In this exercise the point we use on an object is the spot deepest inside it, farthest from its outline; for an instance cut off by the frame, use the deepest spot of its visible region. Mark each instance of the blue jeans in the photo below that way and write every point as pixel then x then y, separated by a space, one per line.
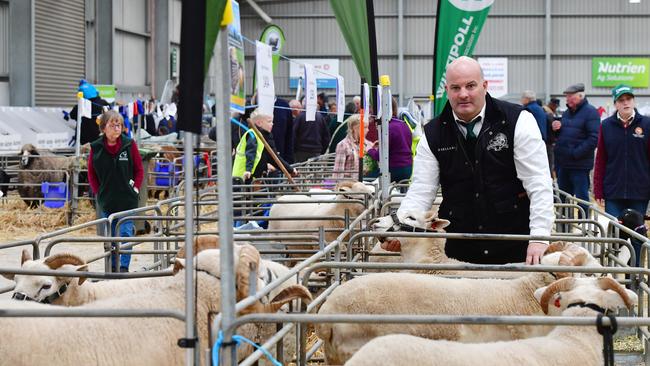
pixel 615 207
pixel 576 183
pixel 127 229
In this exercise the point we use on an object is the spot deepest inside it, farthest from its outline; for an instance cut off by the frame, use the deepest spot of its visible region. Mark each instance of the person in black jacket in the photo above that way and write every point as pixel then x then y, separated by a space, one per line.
pixel 485 155
pixel 622 167
pixel 89 127
pixel 310 138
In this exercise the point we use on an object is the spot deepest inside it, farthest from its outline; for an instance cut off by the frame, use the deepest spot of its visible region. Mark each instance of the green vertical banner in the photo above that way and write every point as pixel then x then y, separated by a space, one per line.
pixel 214 13
pixel 458 26
pixel 356 20
pixel 274 37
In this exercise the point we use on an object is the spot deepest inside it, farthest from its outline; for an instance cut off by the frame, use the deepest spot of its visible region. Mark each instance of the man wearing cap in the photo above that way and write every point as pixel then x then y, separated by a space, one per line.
pixel 622 169
pixel 577 136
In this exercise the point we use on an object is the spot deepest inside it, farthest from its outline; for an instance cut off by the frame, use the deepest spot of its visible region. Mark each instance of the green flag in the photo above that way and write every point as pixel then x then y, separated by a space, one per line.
pixel 458 25
pixel 213 15
pixel 356 20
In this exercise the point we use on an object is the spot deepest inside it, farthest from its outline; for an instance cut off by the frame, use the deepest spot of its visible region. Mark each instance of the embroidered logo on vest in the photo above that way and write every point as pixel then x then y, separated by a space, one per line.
pixel 498 142
pixel 123 156
pixel 448 148
pixel 638 132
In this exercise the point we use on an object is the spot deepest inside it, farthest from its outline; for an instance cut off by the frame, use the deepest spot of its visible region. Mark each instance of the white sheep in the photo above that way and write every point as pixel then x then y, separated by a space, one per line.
pixel 72 291
pixel 422 294
pixel 75 291
pixel 317 210
pixel 131 341
pixel 425 250
pixel 563 346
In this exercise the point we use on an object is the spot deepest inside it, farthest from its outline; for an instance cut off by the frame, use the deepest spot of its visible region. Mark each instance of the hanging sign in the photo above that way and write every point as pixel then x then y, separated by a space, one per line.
pixel 310 93
pixel 264 74
pixel 340 99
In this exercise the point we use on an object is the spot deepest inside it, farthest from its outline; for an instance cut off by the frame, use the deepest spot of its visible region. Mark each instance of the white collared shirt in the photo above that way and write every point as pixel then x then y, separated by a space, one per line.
pixel 477 126
pixel 531 164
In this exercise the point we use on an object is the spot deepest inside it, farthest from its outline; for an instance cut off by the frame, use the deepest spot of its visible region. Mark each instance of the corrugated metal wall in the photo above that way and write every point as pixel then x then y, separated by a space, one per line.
pixel 132 42
pixel 59 57
pixel 581 29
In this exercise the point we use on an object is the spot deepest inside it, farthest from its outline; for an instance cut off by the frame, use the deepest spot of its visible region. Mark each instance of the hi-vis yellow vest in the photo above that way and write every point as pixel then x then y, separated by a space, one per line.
pixel 239 166
pixel 414 139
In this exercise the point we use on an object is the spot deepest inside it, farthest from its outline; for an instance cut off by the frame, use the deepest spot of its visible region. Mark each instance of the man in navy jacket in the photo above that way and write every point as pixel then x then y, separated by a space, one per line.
pixel 577 136
pixel 622 169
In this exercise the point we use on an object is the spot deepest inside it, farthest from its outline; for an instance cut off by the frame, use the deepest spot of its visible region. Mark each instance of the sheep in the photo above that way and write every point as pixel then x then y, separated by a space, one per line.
pixel 268 270
pixel 135 341
pixel 432 250
pixel 30 180
pixel 317 210
pixel 564 345
pixel 411 293
pixel 72 291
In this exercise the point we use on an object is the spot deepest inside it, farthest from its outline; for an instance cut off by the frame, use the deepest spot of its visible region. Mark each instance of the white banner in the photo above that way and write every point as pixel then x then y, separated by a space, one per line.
pixel 264 75
pixel 340 99
pixel 310 93
pixel 379 109
pixel 366 103
pixel 11 143
pixel 56 140
pixel 495 71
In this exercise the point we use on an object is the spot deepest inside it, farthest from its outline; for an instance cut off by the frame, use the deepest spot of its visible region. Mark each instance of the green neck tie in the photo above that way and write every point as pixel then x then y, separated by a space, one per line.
pixel 470 128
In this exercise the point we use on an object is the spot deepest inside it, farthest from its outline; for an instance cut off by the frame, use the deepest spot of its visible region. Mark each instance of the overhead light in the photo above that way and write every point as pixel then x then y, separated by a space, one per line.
pixel 635 1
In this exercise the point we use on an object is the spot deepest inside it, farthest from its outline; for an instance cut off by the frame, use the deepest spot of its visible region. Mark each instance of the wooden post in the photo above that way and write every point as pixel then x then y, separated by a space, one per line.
pixel 271 152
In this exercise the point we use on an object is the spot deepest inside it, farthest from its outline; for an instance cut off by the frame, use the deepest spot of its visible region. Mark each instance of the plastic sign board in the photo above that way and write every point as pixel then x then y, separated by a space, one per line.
pixel 326 70
pixel 495 71
pixel 107 92
pixel 611 71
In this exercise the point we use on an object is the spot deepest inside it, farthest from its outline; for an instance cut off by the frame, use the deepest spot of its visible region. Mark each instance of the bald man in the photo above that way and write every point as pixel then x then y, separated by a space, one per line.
pixel 489 158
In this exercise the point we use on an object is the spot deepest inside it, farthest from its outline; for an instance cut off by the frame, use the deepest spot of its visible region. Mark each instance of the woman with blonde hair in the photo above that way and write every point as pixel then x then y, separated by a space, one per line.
pixel 346 162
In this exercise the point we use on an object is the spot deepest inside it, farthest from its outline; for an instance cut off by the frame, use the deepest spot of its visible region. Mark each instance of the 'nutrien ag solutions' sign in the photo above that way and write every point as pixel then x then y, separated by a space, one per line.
pixel 611 71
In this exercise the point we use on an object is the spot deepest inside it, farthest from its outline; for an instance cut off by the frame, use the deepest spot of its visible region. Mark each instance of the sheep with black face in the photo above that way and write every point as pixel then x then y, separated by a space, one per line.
pixel 36 168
